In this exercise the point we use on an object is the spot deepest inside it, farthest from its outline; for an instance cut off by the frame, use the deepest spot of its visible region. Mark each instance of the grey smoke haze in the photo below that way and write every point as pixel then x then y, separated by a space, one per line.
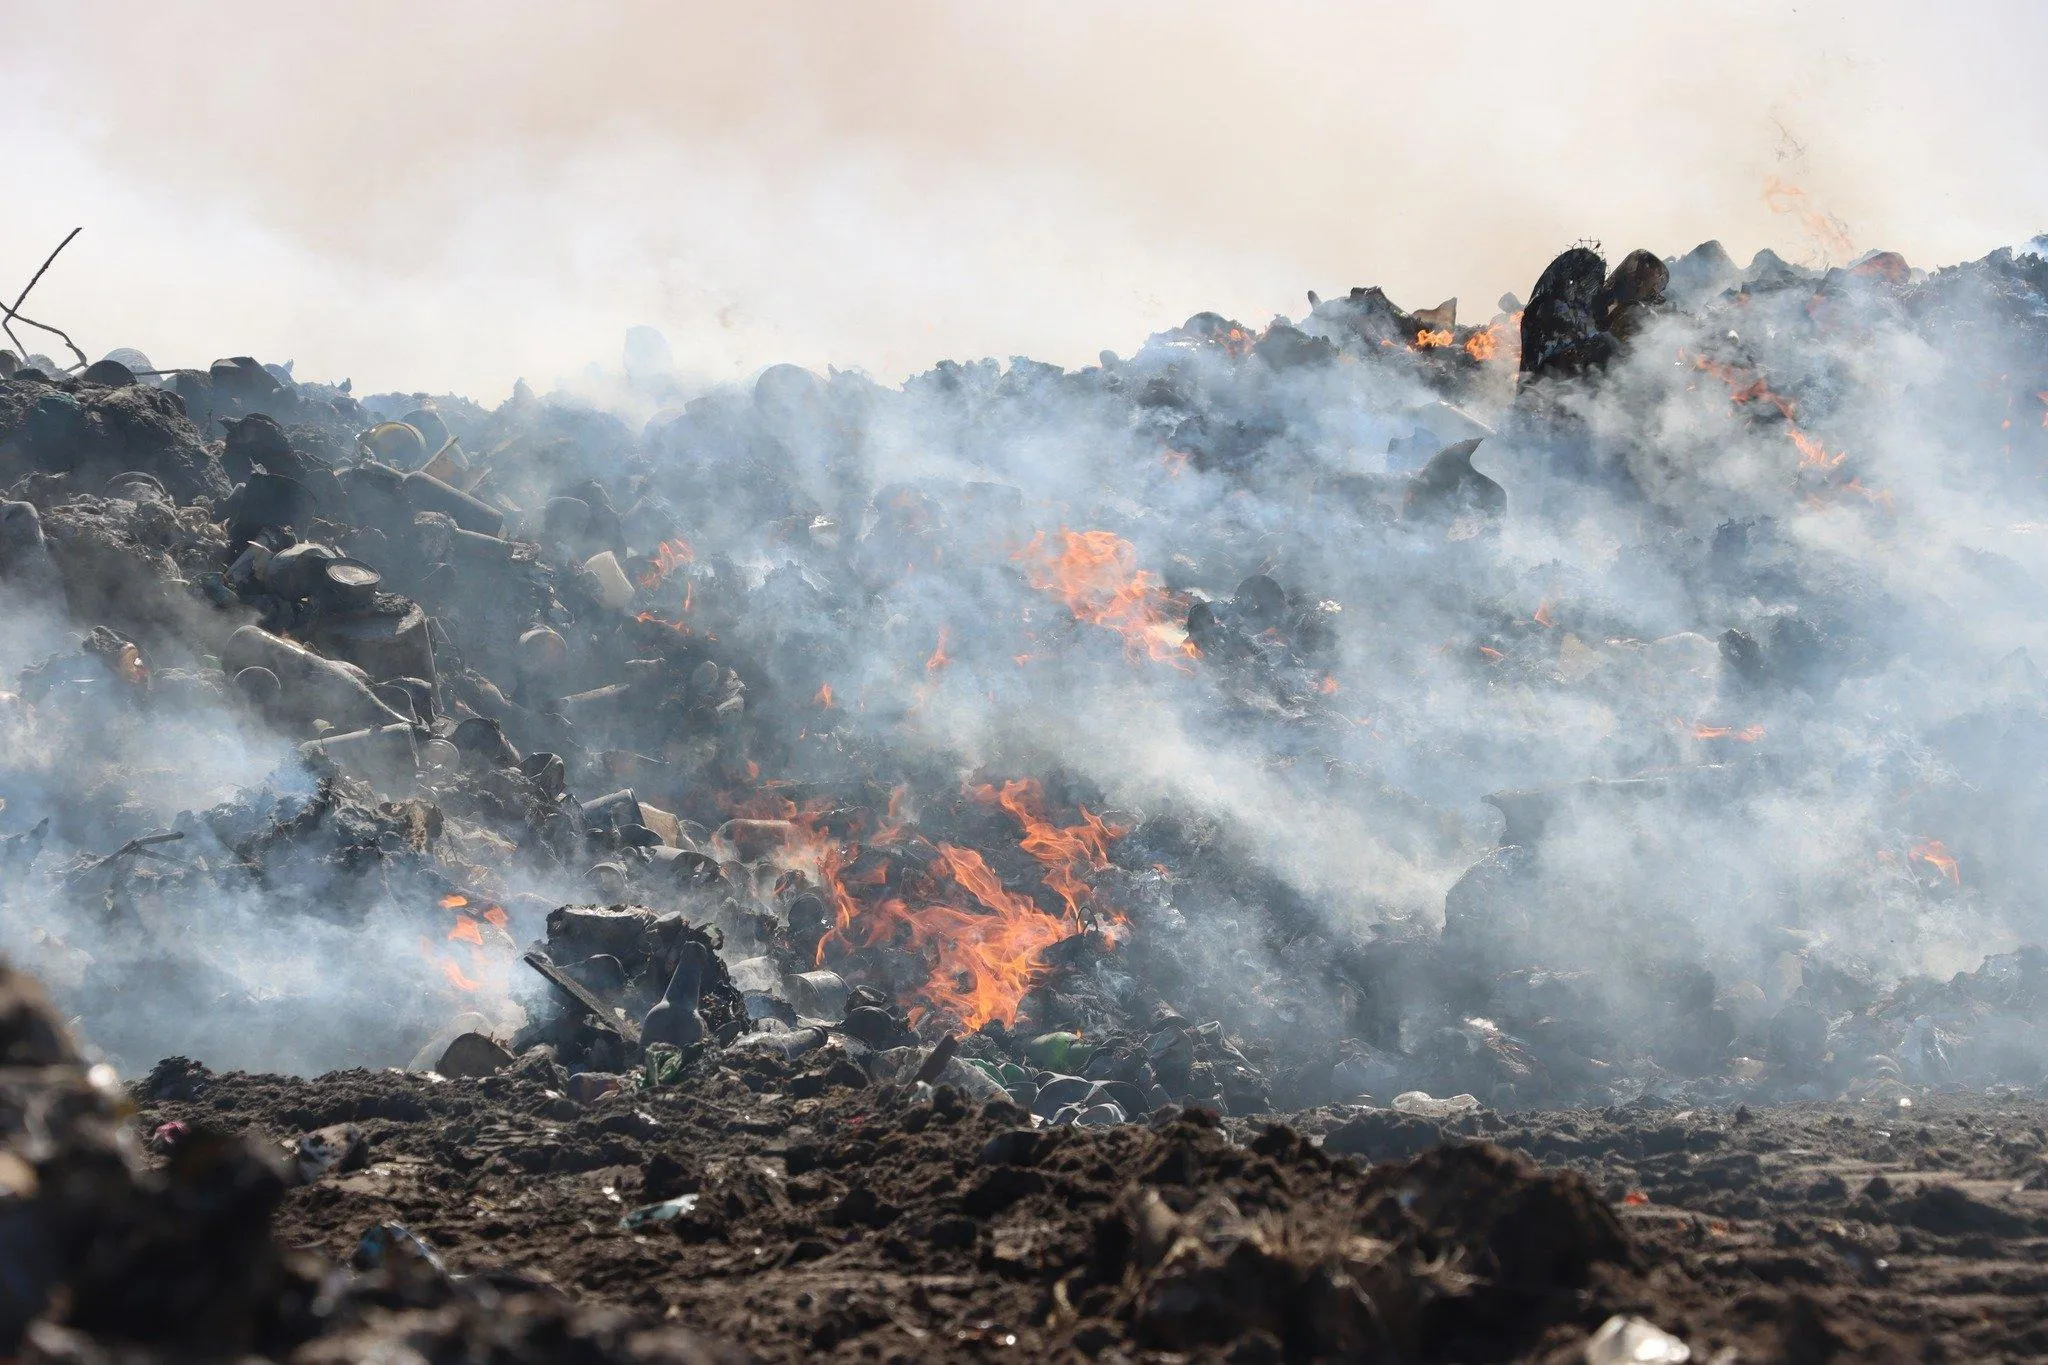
pixel 450 199
pixel 447 197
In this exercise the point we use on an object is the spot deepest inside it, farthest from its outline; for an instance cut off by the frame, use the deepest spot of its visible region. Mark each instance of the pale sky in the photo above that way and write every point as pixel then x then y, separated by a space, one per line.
pixel 456 195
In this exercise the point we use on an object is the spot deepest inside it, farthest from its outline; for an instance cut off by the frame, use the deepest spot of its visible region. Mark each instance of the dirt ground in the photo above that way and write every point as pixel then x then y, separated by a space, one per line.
pixel 837 1218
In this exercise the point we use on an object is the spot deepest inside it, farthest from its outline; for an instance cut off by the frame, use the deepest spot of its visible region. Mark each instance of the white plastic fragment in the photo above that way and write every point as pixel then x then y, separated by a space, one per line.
pixel 1625 1340
pixel 1422 1104
pixel 614 589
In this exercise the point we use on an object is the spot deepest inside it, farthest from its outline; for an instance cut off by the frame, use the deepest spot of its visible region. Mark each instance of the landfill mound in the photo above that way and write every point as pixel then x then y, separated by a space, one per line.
pixel 813 821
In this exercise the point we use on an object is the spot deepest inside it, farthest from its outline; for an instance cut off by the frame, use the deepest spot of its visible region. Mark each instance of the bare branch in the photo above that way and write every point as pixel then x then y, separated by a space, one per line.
pixel 23 317
pixel 20 298
pixel 14 313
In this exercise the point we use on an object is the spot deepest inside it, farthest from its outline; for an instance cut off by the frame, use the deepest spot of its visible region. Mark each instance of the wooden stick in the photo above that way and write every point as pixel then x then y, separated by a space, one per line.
pixel 935 1060
pixel 14 313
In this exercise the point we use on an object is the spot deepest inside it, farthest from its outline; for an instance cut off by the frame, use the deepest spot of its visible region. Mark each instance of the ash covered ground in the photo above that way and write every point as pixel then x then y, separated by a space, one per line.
pixel 1368 836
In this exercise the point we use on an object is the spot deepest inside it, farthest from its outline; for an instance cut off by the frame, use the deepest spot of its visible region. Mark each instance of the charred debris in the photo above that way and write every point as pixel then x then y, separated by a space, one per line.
pixel 638 751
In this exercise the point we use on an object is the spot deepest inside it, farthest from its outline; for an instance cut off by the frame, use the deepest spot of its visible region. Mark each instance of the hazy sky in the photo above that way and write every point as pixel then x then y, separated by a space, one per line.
pixel 455 195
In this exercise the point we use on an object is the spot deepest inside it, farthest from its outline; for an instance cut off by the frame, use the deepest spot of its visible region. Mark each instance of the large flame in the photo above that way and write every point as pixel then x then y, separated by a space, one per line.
pixel 1096 574
pixel 983 943
pixel 1064 852
pixel 986 962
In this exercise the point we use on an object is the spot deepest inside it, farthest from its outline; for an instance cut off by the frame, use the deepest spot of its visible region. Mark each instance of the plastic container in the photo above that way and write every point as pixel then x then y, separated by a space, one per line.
pixel 614 589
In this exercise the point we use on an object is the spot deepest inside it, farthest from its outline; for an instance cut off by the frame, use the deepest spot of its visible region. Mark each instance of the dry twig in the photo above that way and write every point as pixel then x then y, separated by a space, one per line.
pixel 138 848
pixel 14 313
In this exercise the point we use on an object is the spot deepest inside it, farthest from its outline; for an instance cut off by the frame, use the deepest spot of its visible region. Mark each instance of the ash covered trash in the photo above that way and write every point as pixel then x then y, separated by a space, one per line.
pixel 1417 719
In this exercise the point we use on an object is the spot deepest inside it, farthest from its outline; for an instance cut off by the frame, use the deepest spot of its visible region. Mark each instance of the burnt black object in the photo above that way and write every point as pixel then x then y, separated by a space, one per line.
pixel 1448 485
pixel 1578 315
pixel 270 500
pixel 1631 294
pixel 428 494
pixel 258 442
pixel 1560 322
pixel 485 738
pixel 674 1018
pixel 350 584
pixel 108 374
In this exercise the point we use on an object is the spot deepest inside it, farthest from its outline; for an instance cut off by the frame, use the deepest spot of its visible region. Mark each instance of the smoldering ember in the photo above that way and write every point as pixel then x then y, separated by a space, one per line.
pixel 1383 835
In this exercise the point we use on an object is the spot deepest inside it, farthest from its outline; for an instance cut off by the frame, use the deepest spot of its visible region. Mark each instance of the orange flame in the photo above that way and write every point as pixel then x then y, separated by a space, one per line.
pixel 1429 339
pixel 824 697
pixel 668 556
pixel 1543 616
pixel 1096 573
pixel 456 978
pixel 1748 734
pixel 983 942
pixel 1814 455
pixel 1497 339
pixel 1061 851
pixel 466 931
pixel 1936 855
pixel 1826 230
pixel 987 963
pixel 983 961
pixel 939 658
pixel 496 917
pixel 1328 686
pixel 651 619
pixel 454 902
pixel 1744 387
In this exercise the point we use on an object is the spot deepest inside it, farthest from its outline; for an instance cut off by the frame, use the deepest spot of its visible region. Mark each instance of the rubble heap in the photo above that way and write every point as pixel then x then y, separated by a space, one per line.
pixel 1376 715
pixel 528 701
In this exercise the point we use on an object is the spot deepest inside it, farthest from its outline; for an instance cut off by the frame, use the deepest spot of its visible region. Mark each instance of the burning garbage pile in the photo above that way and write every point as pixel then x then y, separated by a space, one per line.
pixel 1628 694
pixel 1625 701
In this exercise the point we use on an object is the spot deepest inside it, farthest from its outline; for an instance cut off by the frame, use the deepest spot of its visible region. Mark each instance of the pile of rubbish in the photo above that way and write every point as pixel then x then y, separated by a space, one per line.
pixel 1030 775
pixel 1201 728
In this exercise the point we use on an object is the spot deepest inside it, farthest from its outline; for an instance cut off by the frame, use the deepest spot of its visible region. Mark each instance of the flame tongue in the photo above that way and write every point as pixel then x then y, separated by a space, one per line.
pixel 1061 852
pixel 987 963
pixel 984 955
pixel 1745 734
pixel 1935 854
pixel 1096 574
pixel 669 556
pixel 984 943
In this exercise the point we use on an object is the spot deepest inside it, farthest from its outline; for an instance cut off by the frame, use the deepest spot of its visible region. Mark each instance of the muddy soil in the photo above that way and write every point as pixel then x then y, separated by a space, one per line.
pixel 832 1217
